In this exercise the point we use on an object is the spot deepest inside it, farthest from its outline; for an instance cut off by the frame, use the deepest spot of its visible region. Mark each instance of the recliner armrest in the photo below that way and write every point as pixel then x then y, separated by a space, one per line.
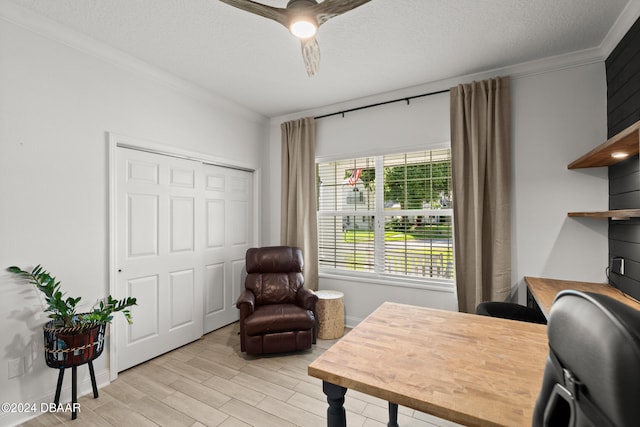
pixel 246 303
pixel 307 298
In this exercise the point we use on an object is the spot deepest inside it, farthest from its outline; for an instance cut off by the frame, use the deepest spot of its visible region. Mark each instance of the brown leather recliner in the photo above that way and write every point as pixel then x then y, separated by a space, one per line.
pixel 277 314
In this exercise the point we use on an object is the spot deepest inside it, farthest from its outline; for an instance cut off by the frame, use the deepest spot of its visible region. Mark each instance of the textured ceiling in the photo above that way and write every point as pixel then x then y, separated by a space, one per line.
pixel 381 46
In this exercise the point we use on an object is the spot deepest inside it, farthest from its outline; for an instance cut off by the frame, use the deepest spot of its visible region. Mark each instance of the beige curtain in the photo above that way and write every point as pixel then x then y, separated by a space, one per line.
pixel 298 224
pixel 480 166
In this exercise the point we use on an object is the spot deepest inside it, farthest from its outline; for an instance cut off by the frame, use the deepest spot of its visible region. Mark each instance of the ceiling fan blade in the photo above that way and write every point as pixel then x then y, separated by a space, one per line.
pixel 321 11
pixel 311 55
pixel 276 13
pixel 331 8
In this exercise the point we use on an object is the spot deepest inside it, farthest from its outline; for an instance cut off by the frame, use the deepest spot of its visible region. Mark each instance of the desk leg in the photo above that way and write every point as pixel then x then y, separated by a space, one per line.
pixel 393 415
pixel 336 417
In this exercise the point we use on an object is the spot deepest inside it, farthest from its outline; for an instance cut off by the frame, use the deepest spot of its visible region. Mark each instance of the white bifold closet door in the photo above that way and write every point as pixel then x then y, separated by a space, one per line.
pixel 228 216
pixel 182 230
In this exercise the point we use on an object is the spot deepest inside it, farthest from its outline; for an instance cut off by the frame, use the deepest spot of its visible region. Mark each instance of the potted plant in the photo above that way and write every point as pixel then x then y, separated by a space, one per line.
pixel 72 338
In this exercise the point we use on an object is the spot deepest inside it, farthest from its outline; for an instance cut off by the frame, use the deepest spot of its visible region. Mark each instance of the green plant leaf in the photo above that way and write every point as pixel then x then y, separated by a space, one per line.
pixel 64 310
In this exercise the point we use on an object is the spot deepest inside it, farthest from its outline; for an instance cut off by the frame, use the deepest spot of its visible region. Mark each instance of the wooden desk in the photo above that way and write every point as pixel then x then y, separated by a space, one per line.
pixel 544 291
pixel 473 370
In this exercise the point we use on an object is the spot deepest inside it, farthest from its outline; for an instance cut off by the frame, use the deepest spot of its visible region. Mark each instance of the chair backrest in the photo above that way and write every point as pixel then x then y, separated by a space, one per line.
pixel 274 274
pixel 592 374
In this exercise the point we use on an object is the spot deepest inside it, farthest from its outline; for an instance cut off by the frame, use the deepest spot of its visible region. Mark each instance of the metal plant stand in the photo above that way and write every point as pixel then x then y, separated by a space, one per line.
pixel 70 348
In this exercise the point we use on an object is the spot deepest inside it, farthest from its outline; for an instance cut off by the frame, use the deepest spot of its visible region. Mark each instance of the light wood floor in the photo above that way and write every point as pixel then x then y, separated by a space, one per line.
pixel 210 383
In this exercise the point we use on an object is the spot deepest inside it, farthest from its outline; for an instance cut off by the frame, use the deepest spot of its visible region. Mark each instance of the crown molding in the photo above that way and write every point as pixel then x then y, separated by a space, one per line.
pixel 52 30
pixel 515 71
pixel 59 33
pixel 625 21
pixel 548 64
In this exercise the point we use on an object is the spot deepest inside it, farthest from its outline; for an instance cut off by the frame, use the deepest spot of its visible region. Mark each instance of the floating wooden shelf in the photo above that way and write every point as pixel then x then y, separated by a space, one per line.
pixel 627 141
pixel 613 214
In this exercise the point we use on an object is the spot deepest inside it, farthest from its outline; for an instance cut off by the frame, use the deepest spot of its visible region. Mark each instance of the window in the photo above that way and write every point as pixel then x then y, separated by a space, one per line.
pixel 388 215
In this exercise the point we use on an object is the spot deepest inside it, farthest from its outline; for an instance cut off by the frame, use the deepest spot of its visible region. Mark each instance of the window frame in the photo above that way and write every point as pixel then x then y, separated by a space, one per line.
pixel 379 276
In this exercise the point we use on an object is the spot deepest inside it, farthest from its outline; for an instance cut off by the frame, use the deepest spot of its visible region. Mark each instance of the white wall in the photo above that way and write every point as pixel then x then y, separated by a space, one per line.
pixel 56 106
pixel 557 116
pixel 390 128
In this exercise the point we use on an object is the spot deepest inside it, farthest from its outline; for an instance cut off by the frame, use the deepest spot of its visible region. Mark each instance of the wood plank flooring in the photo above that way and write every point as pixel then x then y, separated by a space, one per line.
pixel 211 383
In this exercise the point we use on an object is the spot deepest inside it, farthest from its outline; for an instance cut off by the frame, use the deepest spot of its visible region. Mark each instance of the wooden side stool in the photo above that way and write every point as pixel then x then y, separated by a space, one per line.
pixel 330 311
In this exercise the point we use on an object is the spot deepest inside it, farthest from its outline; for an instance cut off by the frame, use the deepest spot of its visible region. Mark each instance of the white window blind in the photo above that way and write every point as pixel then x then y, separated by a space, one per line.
pixel 389 215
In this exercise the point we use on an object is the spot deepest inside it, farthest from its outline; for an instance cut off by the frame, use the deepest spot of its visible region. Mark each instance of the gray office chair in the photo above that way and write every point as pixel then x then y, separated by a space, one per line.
pixel 592 374
pixel 508 310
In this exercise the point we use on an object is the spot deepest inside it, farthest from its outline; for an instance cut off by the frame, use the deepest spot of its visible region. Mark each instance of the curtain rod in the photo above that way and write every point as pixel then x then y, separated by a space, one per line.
pixel 407 99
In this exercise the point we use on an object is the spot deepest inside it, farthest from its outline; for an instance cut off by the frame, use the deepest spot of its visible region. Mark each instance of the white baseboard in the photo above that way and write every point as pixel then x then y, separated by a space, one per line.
pixel 352 322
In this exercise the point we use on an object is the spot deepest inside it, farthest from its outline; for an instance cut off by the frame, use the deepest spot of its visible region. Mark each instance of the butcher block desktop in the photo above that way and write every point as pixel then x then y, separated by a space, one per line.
pixel 544 291
pixel 473 370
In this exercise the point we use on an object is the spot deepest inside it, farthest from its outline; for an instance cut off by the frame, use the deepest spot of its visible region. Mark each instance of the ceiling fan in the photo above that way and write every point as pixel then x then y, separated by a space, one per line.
pixel 302 18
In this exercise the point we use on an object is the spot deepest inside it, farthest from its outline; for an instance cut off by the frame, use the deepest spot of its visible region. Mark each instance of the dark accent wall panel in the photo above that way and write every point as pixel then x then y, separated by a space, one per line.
pixel 623 110
pixel 623 82
pixel 624 235
pixel 624 184
pixel 624 242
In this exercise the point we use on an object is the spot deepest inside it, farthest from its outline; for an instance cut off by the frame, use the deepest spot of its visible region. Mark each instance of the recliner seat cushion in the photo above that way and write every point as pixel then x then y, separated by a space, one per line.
pixel 273 318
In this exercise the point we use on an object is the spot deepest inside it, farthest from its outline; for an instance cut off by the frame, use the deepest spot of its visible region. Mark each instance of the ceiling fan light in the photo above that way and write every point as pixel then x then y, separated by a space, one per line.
pixel 303 28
